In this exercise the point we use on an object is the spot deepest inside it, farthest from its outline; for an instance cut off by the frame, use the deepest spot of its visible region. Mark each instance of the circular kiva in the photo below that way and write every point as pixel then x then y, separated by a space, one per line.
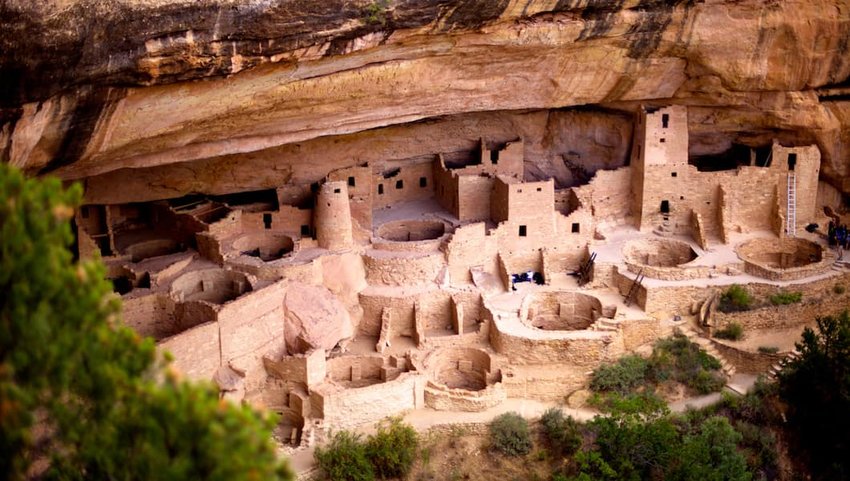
pixel 216 286
pixel 265 246
pixel 411 230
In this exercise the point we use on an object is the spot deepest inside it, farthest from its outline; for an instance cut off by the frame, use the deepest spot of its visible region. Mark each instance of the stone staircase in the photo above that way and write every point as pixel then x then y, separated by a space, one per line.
pixel 774 370
pixel 708 347
pixel 664 229
pixel 605 324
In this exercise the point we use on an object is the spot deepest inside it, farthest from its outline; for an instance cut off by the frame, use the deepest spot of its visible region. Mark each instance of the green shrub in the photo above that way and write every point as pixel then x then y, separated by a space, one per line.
pixel 838 289
pixel 705 382
pixel 677 358
pixel 622 377
pixel 768 349
pixel 735 299
pixel 344 458
pixel 783 298
pixel 733 332
pixel 392 449
pixel 376 12
pixel 562 432
pixel 509 434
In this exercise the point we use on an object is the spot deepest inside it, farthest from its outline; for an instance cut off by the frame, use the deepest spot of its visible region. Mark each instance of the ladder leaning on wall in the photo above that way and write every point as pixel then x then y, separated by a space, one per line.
pixel 791 217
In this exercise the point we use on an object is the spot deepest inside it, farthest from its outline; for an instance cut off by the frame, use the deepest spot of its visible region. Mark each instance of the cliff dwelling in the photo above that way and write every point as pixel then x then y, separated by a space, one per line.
pixel 454 285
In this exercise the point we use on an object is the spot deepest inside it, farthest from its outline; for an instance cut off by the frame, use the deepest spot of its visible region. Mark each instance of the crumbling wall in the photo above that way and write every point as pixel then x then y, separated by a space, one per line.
pixel 474 197
pixel 196 352
pixel 253 327
pixel 402 183
pixel 149 314
pixel 345 408
pixel 402 268
pixel 469 247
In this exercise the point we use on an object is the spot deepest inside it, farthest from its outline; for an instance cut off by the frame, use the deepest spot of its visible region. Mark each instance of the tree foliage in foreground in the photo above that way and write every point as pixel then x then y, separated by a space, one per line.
pixel 816 389
pixel 83 397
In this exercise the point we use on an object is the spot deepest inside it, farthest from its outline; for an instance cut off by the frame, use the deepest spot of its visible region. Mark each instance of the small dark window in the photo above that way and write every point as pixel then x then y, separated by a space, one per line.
pixel 681 197
pixel 792 161
pixel 519 191
pixel 494 156
pixel 305 230
pixel 576 228
pixel 663 140
pixel 665 120
pixel 708 202
pixel 351 182
pixel 399 184
pixel 423 182
pixel 673 174
pixel 267 221
pixel 540 189
pixel 84 211
pixel 380 189
pixel 522 231
pixel 665 206
pixel 337 191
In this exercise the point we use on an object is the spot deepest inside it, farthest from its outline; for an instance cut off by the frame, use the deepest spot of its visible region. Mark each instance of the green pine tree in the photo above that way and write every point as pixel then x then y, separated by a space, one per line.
pixel 81 395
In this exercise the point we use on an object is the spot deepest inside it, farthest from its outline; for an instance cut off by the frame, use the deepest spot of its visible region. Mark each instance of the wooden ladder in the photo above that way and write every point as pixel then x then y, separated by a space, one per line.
pixel 627 300
pixel 791 219
pixel 585 269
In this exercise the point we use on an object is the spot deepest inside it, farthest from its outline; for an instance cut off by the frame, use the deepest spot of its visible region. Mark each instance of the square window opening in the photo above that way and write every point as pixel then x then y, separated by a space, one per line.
pixel 673 174
pixel 305 230
pixel 267 221
pixel 380 189
pixel 351 182
pixel 576 228
pixel 337 191
pixel 663 140
pixel 523 231
pixel 423 182
pixel 665 206
pixel 399 184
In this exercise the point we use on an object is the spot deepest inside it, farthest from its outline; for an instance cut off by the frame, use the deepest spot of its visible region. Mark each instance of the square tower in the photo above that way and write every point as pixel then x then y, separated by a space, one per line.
pixel 659 163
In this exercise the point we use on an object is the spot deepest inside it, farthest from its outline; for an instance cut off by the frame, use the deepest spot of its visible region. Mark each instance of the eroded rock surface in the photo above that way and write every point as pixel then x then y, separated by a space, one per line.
pixel 110 90
pixel 314 319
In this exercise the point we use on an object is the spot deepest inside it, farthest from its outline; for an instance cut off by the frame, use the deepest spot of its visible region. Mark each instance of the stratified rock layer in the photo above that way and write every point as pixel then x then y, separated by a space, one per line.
pixel 110 90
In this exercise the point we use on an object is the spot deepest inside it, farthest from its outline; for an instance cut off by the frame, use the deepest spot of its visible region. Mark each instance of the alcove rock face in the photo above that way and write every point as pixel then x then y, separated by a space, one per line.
pixel 173 97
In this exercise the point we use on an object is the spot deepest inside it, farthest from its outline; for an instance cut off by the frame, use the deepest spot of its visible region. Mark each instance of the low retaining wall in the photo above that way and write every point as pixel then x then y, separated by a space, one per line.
pixel 747 361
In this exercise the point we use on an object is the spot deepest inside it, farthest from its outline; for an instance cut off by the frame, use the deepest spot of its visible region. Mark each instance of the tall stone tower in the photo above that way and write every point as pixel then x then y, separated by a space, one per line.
pixel 333 216
pixel 659 166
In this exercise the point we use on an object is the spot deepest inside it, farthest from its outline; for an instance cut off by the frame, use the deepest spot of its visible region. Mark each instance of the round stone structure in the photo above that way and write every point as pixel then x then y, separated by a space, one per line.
pixel 215 286
pixel 463 379
pixel 267 247
pixel 561 311
pixel 411 230
pixel 410 235
pixel 153 248
pixel 783 259
pixel 668 259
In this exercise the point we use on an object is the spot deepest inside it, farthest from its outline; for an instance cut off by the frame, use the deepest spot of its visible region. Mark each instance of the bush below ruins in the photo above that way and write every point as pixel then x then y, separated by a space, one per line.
pixel 732 332
pixel 673 360
pixel 509 434
pixel 387 454
pixel 735 299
